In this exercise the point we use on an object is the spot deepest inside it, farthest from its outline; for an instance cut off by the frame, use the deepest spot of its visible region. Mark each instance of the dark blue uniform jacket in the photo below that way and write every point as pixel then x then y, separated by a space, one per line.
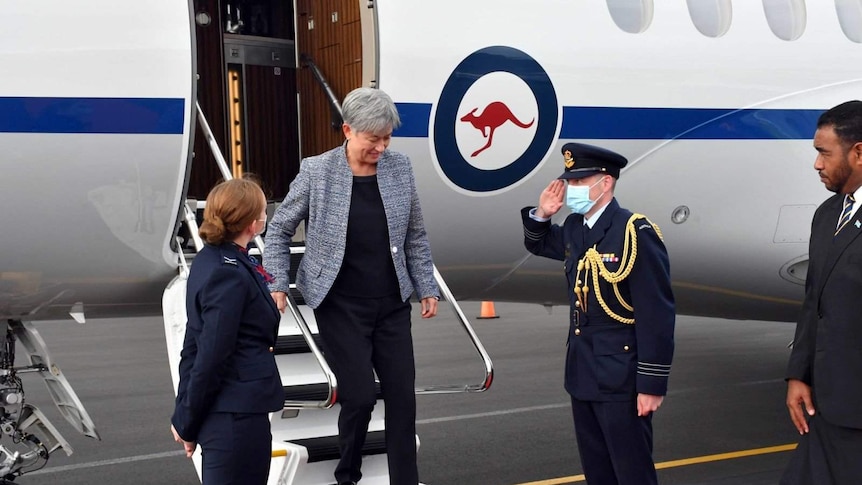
pixel 608 360
pixel 226 364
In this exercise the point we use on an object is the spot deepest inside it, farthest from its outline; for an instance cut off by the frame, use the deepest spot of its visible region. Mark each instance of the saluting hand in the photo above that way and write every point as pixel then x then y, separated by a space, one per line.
pixel 551 199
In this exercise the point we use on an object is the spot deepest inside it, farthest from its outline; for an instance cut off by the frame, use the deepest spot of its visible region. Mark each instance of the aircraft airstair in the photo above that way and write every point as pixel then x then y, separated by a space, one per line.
pixel 304 433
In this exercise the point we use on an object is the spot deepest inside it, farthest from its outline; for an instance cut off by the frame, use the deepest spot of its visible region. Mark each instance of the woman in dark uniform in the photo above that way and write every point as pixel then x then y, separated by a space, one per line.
pixel 229 381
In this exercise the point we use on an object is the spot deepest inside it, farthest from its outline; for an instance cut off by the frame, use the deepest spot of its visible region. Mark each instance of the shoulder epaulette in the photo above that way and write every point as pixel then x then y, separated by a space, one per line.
pixel 645 224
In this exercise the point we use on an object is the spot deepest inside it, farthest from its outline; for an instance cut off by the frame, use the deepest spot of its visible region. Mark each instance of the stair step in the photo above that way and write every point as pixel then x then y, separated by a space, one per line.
pixel 294 344
pixel 325 448
pixel 317 392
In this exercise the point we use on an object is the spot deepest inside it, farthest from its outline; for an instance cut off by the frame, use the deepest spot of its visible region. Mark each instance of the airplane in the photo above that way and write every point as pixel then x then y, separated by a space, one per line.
pixel 105 152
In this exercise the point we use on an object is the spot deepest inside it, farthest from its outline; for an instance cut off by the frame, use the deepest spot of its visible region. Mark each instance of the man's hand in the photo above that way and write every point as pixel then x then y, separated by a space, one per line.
pixel 280 299
pixel 551 199
pixel 429 307
pixel 799 401
pixel 648 403
pixel 189 446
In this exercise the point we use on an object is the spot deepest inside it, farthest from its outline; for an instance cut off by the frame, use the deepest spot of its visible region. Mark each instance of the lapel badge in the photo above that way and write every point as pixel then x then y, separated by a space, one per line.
pixel 610 258
pixel 858 224
pixel 228 260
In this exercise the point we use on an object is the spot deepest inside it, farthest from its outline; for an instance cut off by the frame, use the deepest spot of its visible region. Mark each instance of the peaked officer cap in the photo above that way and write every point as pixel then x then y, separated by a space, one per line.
pixel 582 160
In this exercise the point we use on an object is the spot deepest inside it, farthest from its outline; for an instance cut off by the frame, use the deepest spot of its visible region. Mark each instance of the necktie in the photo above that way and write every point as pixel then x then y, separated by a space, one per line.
pixel 845 212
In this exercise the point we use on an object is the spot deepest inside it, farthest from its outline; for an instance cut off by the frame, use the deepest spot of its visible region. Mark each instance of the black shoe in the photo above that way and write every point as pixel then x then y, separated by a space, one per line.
pixel 347 483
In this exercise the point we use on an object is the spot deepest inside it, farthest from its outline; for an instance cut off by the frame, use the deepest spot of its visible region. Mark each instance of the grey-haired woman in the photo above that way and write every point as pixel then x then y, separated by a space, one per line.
pixel 366 254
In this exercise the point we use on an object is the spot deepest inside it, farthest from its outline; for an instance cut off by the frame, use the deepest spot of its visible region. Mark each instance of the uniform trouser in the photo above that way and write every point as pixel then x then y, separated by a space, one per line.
pixel 615 443
pixel 826 455
pixel 361 336
pixel 236 449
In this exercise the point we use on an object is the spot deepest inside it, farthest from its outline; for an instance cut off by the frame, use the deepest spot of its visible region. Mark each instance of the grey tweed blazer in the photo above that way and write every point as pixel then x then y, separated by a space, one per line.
pixel 321 194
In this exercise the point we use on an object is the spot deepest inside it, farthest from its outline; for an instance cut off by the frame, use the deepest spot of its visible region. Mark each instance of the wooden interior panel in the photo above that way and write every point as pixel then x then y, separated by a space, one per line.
pixel 336 49
pixel 271 124
pixel 211 92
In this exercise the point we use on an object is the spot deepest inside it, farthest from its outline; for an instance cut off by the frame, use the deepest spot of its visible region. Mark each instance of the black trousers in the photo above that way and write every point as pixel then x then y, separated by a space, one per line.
pixel 827 455
pixel 236 449
pixel 361 336
pixel 615 443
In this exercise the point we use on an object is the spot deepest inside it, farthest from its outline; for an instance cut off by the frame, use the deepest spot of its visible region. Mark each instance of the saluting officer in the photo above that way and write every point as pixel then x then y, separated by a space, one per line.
pixel 620 339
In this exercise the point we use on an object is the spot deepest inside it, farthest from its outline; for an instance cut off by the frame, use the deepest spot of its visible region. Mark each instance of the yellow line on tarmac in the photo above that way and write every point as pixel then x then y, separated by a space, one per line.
pixel 725 456
pixel 683 462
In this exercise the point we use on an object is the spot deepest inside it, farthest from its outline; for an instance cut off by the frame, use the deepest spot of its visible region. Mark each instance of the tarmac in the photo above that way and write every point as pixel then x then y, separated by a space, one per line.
pixel 723 422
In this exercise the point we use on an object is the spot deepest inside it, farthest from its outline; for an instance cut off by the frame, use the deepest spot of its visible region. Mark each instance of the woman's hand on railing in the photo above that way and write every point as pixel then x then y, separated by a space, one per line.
pixel 280 299
pixel 429 307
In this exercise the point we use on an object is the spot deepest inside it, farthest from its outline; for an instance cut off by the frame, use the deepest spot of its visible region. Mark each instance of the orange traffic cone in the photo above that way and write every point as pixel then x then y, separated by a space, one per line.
pixel 487 310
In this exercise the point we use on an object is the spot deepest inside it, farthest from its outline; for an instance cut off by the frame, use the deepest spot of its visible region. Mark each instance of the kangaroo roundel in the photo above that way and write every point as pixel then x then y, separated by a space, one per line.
pixel 492 117
pixel 495 121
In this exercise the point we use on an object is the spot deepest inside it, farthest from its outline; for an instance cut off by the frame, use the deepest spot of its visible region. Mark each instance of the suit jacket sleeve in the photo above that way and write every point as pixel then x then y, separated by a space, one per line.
pixel 294 208
pixel 417 250
pixel 221 301
pixel 654 310
pixel 802 355
pixel 543 238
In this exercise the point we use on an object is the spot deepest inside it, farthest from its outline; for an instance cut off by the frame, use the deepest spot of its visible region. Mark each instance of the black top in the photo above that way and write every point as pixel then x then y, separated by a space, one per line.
pixel 367 270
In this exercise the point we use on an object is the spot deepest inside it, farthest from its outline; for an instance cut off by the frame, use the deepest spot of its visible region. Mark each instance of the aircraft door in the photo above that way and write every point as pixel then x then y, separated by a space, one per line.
pixel 247 90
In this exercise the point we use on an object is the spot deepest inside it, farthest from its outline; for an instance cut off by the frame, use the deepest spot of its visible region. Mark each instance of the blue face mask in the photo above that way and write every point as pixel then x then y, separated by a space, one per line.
pixel 578 198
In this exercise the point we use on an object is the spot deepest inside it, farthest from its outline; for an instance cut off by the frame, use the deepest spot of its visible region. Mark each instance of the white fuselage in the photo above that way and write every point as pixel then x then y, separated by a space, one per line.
pixel 721 126
pixel 96 124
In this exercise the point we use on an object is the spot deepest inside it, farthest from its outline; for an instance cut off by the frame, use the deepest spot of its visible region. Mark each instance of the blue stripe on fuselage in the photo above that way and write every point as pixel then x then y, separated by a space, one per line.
pixel 611 123
pixel 161 116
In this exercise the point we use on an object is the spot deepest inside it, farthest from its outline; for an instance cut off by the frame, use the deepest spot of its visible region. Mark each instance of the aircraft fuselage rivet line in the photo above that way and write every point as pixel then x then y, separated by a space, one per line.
pixel 683 462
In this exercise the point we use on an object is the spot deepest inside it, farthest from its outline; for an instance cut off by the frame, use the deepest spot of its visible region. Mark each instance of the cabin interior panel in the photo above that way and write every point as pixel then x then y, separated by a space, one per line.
pixel 211 92
pixel 329 34
pixel 271 120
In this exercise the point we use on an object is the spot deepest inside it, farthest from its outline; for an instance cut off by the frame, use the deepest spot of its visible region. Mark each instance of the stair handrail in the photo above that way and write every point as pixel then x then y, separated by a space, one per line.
pixel 447 295
pixel 309 338
pixel 213 144
pixel 291 304
pixel 334 105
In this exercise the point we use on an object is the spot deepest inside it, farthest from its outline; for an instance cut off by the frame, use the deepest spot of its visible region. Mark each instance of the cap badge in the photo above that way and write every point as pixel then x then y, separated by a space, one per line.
pixel 569 161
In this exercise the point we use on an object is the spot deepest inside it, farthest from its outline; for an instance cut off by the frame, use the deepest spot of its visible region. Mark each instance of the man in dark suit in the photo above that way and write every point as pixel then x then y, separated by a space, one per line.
pixel 621 324
pixel 823 392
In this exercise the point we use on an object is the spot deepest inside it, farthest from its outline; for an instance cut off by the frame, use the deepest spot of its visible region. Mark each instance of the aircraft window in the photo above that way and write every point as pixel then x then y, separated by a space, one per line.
pixel 632 16
pixel 786 18
pixel 710 17
pixel 850 18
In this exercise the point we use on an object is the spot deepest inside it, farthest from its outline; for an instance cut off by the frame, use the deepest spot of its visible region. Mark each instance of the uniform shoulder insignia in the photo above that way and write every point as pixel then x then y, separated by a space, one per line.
pixel 231 261
pixel 644 223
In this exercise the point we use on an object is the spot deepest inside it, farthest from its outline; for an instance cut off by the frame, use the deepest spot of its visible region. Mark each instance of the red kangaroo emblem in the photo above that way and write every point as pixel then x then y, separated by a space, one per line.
pixel 494 115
